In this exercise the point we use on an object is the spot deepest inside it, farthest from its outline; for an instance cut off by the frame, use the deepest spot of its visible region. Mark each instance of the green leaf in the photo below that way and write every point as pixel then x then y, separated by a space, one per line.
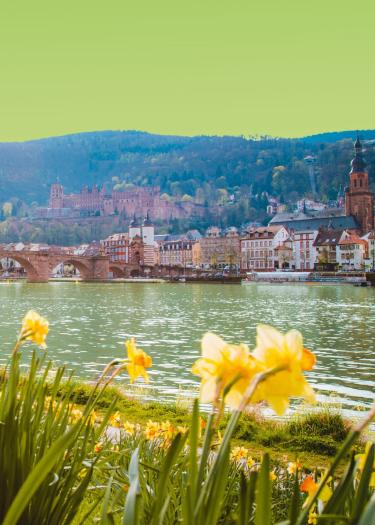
pixel 335 504
pixel 263 494
pixel 37 476
pixel 295 503
pixel 246 497
pixel 131 513
pixel 162 487
pixel 362 493
pixel 368 517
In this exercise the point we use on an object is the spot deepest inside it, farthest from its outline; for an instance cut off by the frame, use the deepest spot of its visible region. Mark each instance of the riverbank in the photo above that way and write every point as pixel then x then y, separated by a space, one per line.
pixel 312 437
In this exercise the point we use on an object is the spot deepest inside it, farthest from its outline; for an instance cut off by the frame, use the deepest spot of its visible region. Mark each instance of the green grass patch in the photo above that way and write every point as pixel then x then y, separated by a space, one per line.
pixel 312 436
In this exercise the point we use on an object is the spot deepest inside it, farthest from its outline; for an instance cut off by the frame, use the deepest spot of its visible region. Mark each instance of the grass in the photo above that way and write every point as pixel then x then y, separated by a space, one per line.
pixel 314 437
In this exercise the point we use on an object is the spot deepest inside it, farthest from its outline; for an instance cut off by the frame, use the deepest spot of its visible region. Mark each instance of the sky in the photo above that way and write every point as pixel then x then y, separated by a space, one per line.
pixel 186 67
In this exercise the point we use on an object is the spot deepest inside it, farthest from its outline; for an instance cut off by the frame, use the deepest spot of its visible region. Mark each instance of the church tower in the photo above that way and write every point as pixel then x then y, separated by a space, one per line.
pixel 134 229
pixel 359 200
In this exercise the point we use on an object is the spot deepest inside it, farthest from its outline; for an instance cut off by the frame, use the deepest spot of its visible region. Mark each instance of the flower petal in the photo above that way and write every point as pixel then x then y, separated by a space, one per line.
pixel 212 345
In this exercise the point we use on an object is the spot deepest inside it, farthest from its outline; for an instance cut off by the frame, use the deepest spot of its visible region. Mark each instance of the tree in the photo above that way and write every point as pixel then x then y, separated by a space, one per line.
pixel 7 209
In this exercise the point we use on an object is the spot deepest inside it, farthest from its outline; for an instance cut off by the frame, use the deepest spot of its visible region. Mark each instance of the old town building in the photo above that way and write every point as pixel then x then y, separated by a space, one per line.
pixel 352 251
pixel 326 244
pixel 370 260
pixel 178 250
pixel 117 247
pixel 220 249
pixel 138 246
pixel 258 248
pixel 305 252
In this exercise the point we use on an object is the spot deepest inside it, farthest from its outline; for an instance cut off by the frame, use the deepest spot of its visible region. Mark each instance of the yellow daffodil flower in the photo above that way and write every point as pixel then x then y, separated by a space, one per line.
pixel 129 428
pixel 75 414
pixel 309 486
pixel 115 420
pixel 152 430
pixel 273 476
pixel 313 517
pixel 34 328
pixel 273 350
pixel 250 462
pixel 138 361
pixel 98 447
pixel 224 365
pixel 168 430
pixel 293 466
pixel 239 454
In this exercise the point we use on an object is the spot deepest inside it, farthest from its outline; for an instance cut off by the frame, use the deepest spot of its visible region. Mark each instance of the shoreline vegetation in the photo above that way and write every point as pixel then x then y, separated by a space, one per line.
pixel 79 453
pixel 312 436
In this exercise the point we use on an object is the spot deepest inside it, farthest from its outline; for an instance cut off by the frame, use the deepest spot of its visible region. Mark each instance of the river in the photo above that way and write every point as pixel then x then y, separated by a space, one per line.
pixel 89 323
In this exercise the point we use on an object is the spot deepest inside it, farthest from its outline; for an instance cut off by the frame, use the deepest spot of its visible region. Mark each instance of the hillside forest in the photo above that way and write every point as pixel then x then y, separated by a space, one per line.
pixel 237 173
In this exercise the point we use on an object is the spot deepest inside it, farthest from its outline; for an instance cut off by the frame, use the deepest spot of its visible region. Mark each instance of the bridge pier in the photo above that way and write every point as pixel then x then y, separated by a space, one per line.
pixel 38 270
pixel 98 269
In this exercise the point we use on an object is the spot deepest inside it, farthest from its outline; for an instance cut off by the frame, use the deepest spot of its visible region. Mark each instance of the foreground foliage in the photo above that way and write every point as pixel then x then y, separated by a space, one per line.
pixel 62 463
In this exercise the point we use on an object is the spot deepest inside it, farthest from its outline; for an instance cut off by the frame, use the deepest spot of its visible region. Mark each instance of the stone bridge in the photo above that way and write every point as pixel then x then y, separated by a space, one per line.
pixel 40 264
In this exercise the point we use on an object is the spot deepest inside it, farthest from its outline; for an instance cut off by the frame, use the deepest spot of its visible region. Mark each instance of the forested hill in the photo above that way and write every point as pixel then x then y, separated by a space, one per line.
pixel 203 167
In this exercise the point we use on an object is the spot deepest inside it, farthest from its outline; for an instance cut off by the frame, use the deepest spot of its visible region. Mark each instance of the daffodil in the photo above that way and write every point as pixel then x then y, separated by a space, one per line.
pixel 152 430
pixel 129 428
pixel 273 476
pixel 293 466
pixel 75 414
pixel 285 351
pixel 239 454
pixel 224 366
pixel 115 420
pixel 309 486
pixel 34 328
pixel 168 430
pixel 138 361
pixel 313 517
pixel 98 447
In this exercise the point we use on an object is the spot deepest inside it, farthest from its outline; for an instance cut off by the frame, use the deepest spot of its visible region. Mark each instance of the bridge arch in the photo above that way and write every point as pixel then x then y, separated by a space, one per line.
pixel 30 267
pixel 117 271
pixel 84 269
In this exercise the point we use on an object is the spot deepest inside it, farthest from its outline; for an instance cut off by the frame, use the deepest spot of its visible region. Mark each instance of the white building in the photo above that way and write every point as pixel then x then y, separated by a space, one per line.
pixel 258 247
pixel 305 253
pixel 351 253
pixel 370 260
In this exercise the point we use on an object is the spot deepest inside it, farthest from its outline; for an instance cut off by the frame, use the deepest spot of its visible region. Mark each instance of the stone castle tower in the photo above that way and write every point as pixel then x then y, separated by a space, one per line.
pixel 359 200
pixel 56 196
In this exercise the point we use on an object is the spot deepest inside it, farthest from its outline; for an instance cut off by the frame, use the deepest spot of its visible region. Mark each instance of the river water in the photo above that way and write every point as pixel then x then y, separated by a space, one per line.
pixel 89 323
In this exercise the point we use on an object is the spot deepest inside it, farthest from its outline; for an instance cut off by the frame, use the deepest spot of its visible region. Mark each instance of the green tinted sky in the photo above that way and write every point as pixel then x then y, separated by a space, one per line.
pixel 283 67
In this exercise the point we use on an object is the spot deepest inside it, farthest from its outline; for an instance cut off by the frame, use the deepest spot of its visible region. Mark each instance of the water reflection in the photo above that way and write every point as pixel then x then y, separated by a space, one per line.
pixel 89 323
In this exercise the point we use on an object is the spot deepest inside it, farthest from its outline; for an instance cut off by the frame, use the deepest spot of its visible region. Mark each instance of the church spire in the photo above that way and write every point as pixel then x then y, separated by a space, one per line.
pixel 358 163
